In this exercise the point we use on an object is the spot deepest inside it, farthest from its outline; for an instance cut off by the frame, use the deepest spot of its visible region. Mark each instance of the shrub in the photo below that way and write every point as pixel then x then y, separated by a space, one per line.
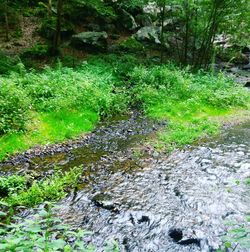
pixel 11 184
pixel 132 45
pixel 49 189
pixel 8 64
pixel 13 108
pixel 38 51
pixel 169 82
pixel 44 232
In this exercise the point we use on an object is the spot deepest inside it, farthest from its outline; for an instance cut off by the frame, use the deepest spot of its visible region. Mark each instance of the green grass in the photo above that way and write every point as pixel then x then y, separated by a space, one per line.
pixel 62 103
pixel 188 122
pixel 48 127
pixel 195 105
pixel 248 181
pixel 53 188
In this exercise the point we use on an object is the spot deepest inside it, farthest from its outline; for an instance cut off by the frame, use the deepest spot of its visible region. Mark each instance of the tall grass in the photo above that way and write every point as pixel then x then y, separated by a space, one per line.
pixel 190 102
pixel 61 103
pixel 56 104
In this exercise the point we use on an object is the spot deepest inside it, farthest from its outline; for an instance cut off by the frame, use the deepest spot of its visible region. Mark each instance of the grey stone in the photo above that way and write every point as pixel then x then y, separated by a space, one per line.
pixel 127 20
pixel 90 40
pixel 150 34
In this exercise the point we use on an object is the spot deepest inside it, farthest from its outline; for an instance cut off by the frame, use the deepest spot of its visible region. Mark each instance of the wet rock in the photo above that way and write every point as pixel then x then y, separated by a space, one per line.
pixel 105 201
pixel 144 218
pixel 90 40
pixel 149 34
pixel 190 242
pixel 127 20
pixel 176 234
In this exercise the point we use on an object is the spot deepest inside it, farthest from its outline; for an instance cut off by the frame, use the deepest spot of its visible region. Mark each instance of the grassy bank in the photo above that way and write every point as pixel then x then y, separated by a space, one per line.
pixel 56 104
pixel 194 104
pixel 62 103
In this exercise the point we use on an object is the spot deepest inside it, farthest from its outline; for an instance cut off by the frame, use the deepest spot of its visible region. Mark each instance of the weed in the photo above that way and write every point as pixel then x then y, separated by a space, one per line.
pixel 189 101
pixel 43 232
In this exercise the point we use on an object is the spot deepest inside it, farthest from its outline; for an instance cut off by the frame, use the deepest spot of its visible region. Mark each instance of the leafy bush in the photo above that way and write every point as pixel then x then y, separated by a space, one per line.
pixel 131 45
pixel 44 232
pixel 169 82
pixel 38 51
pixel 50 189
pixel 12 184
pixel 13 108
pixel 238 236
pixel 8 64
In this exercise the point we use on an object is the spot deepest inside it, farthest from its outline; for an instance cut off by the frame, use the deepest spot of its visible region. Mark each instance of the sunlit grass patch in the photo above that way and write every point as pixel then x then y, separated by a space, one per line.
pixel 195 105
pixel 49 127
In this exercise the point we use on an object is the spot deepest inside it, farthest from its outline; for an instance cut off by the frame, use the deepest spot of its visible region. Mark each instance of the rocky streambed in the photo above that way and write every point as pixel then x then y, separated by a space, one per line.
pixel 148 201
pixel 179 203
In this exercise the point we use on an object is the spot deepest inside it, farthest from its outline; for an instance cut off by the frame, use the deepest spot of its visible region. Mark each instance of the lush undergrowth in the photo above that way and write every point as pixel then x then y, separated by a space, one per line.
pixel 56 104
pixel 44 231
pixel 191 102
pixel 61 103
pixel 25 191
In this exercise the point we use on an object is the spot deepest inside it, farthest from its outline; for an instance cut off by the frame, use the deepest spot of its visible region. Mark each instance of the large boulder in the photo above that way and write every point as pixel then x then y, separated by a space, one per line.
pixel 127 20
pixel 90 41
pixel 143 20
pixel 152 9
pixel 131 45
pixel 149 34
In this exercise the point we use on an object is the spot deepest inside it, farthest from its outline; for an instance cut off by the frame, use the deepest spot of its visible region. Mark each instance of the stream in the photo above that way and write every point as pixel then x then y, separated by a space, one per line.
pixel 147 201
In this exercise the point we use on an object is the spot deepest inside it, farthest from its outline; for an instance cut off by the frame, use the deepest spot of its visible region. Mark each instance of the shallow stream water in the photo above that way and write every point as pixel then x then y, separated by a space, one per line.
pixel 148 201
pixel 192 194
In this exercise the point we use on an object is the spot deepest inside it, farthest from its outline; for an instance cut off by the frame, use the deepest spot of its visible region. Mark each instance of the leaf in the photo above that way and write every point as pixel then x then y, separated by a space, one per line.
pixel 3 214
pixel 57 244
pixel 34 229
pixel 4 203
pixel 4 247
pixel 228 245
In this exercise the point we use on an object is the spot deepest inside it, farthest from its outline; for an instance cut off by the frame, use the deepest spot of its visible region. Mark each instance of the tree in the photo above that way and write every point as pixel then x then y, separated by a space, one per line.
pixel 56 41
pixel 199 22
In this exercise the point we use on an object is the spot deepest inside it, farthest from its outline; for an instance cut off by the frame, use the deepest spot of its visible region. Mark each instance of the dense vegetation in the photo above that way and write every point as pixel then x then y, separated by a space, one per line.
pixel 61 103
pixel 67 65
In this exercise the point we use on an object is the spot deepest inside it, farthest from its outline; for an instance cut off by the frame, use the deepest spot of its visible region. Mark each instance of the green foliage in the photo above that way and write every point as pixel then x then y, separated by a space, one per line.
pixel 61 103
pixel 169 83
pixel 8 64
pixel 13 107
pixel 50 189
pixel 11 184
pixel 131 45
pixel 121 66
pixel 101 7
pixel 188 100
pixel 44 232
pixel 238 235
pixel 248 181
pixel 180 134
pixel 38 51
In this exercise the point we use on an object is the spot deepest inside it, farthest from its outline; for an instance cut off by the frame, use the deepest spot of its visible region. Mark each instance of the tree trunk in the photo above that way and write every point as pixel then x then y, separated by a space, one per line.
pixel 162 29
pixel 49 9
pixel 56 42
pixel 186 39
pixel 7 29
